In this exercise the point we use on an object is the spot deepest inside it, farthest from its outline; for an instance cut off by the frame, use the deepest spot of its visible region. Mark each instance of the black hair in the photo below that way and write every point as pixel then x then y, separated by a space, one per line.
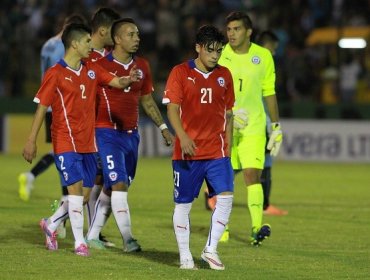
pixel 238 15
pixel 207 35
pixel 74 31
pixel 103 17
pixel 117 24
pixel 74 18
pixel 267 36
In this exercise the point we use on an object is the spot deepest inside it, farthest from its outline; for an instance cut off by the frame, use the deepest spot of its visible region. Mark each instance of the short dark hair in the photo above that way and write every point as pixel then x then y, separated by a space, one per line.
pixel 103 17
pixel 74 18
pixel 267 36
pixel 117 24
pixel 207 35
pixel 72 32
pixel 238 15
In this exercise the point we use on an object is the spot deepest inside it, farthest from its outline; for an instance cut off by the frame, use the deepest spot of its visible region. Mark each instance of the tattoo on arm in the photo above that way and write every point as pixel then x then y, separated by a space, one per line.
pixel 151 109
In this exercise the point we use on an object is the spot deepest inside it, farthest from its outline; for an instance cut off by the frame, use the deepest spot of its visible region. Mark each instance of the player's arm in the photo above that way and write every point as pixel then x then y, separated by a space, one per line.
pixel 272 107
pixel 229 129
pixel 151 109
pixel 30 148
pixel 276 135
pixel 187 144
pixel 125 81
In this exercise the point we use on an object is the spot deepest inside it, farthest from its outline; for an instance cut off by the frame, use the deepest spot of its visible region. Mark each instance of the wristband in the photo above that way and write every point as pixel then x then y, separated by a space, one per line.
pixel 163 126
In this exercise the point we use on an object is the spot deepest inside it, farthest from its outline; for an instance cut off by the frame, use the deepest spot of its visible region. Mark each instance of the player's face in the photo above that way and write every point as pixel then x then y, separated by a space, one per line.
pixel 128 38
pixel 83 46
pixel 209 55
pixel 107 36
pixel 237 33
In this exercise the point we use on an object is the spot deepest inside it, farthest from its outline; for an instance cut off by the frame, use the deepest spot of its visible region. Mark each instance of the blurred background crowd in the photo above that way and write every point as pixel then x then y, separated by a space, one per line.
pixel 316 73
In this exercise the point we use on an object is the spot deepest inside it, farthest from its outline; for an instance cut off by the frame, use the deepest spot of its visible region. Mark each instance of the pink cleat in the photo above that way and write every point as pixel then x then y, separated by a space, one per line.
pixel 51 242
pixel 82 250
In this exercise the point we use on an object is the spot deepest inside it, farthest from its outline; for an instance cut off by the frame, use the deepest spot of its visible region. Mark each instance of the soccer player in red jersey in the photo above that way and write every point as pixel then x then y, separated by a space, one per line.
pixel 70 88
pixel 117 130
pixel 101 42
pixel 200 97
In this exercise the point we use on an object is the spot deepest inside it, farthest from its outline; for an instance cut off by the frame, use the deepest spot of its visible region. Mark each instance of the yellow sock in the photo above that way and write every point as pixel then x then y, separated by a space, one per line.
pixel 255 205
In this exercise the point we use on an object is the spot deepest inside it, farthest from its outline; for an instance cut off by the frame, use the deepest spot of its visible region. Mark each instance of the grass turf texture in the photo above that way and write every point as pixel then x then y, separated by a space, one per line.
pixel 324 236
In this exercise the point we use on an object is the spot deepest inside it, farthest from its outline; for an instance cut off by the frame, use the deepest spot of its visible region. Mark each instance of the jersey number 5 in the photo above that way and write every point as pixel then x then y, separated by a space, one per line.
pixel 206 95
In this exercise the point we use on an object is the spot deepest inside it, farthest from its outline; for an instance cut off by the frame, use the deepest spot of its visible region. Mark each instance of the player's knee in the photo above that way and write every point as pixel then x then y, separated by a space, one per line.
pixel 252 176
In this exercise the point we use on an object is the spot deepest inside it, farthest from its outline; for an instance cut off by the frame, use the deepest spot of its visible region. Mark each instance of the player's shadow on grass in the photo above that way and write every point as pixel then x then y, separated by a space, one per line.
pixel 32 234
pixel 164 257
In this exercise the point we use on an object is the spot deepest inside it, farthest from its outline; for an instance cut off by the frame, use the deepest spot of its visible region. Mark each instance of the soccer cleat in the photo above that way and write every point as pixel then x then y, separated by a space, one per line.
pixel 258 236
pixel 188 264
pixel 274 211
pixel 96 244
pixel 105 241
pixel 212 259
pixel 82 250
pixel 51 242
pixel 25 181
pixel 132 246
pixel 226 235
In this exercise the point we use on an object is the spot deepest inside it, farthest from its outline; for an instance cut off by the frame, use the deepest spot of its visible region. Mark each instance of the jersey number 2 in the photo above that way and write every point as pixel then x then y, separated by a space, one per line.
pixel 82 88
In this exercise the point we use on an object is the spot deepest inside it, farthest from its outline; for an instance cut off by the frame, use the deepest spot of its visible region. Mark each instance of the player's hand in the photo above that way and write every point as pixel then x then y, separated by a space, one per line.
pixel 168 137
pixel 240 118
pixel 135 74
pixel 187 145
pixel 29 151
pixel 276 138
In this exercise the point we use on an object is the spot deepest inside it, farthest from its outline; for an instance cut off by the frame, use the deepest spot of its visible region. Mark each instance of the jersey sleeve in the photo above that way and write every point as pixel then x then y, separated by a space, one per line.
pixel 174 90
pixel 147 87
pixel 47 92
pixel 103 76
pixel 268 84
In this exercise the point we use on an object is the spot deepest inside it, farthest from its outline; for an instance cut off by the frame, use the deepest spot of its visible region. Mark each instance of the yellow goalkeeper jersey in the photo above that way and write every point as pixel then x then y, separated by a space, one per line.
pixel 254 77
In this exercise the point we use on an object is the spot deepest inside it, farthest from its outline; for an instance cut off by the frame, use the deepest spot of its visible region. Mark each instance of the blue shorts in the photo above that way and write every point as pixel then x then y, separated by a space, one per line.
pixel 118 151
pixel 74 167
pixel 189 176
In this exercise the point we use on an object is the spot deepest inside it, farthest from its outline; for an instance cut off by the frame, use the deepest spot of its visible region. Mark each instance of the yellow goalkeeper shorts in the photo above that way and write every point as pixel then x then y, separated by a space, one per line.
pixel 248 151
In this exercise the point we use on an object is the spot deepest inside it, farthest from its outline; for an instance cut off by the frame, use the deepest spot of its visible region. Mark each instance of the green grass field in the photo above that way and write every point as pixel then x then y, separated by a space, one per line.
pixel 325 235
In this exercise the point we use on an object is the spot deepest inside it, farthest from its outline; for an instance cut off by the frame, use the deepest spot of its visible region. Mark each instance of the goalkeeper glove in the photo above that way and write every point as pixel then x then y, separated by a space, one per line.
pixel 240 118
pixel 276 138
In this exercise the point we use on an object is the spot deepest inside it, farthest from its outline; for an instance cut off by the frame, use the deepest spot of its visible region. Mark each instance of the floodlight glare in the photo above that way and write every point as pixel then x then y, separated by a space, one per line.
pixel 352 43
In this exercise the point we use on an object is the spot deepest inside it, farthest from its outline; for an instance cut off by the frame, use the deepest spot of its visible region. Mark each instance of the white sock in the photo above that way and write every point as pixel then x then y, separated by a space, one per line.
pixel 59 216
pixel 102 212
pixel 121 213
pixel 181 226
pixel 76 216
pixel 220 218
pixel 90 205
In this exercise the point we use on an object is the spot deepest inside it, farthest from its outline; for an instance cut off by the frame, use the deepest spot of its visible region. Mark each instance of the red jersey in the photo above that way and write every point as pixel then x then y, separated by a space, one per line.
pixel 204 99
pixel 95 55
pixel 119 108
pixel 71 95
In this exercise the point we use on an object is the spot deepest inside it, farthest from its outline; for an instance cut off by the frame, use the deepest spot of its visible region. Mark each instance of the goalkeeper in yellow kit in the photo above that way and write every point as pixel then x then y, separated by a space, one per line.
pixel 253 71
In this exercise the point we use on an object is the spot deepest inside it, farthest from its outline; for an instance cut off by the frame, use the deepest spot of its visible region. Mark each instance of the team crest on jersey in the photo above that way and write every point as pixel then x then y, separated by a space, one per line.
pixel 91 74
pixel 65 175
pixel 256 60
pixel 221 81
pixel 113 176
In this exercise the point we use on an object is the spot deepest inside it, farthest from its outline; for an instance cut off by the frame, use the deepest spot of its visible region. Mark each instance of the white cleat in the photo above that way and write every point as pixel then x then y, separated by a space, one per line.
pixel 213 260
